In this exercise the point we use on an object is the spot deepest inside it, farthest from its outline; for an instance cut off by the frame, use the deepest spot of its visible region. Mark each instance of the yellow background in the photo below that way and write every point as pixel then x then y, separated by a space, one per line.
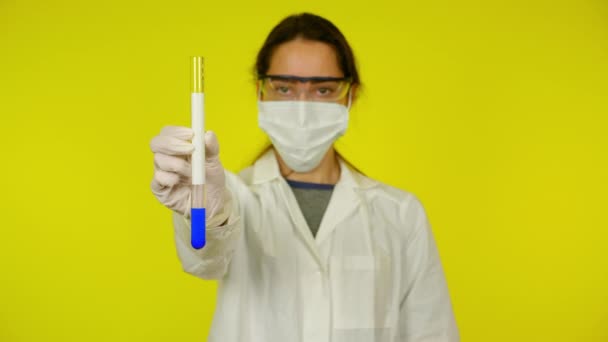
pixel 492 112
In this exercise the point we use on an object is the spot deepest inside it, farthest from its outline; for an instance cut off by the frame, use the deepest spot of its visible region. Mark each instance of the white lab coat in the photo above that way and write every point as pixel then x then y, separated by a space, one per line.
pixel 372 274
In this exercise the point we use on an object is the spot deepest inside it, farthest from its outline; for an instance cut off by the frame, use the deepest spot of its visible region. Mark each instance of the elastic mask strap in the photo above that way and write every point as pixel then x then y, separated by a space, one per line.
pixel 350 98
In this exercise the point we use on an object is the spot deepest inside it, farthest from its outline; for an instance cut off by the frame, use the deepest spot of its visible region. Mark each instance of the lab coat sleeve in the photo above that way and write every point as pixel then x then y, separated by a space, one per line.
pixel 211 261
pixel 425 310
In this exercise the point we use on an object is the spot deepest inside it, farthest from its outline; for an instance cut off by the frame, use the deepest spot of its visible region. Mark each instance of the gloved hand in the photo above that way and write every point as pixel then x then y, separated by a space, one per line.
pixel 172 182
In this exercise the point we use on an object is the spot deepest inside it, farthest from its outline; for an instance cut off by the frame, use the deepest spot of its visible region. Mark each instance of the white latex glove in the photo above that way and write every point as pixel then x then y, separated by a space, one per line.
pixel 172 182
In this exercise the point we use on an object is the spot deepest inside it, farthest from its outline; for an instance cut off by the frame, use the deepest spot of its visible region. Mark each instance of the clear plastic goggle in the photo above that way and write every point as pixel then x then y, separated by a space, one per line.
pixel 294 88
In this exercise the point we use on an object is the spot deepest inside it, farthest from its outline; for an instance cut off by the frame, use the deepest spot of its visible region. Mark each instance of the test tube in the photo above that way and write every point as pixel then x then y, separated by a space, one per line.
pixel 197 108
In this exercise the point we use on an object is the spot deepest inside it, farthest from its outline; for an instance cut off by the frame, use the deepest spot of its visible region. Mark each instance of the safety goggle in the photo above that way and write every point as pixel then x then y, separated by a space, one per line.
pixel 293 88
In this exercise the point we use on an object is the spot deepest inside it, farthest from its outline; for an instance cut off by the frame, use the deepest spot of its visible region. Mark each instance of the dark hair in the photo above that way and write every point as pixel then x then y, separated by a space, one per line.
pixel 311 27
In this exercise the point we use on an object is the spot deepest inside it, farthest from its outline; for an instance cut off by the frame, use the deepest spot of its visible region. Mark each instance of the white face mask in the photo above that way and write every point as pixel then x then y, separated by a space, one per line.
pixel 302 131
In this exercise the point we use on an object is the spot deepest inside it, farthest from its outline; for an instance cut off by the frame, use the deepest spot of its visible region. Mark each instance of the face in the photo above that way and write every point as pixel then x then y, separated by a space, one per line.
pixel 306 58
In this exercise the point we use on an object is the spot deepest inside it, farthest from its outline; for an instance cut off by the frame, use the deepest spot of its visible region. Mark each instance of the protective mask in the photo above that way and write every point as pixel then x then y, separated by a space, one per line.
pixel 303 131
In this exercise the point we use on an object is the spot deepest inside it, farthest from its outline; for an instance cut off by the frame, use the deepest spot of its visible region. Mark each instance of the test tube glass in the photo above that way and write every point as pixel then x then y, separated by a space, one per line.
pixel 197 212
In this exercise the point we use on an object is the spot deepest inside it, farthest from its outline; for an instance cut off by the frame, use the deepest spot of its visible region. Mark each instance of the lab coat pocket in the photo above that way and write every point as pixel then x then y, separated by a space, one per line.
pixel 361 291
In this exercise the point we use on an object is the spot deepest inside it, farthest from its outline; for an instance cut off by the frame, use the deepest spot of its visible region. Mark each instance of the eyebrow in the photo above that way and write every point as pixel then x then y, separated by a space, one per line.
pixel 305 79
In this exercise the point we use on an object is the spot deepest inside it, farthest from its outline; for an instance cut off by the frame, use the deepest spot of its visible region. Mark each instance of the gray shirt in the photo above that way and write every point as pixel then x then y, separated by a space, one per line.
pixel 313 199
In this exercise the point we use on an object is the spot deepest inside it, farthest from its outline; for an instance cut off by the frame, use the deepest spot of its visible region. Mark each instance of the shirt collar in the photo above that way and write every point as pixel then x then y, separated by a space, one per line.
pixel 266 168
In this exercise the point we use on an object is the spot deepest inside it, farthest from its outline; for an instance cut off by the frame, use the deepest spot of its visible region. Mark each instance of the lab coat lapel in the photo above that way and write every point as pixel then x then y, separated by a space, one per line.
pixel 297 217
pixel 344 201
pixel 266 169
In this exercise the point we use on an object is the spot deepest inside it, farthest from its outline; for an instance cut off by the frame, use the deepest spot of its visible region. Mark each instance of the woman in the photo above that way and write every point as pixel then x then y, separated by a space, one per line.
pixel 305 247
